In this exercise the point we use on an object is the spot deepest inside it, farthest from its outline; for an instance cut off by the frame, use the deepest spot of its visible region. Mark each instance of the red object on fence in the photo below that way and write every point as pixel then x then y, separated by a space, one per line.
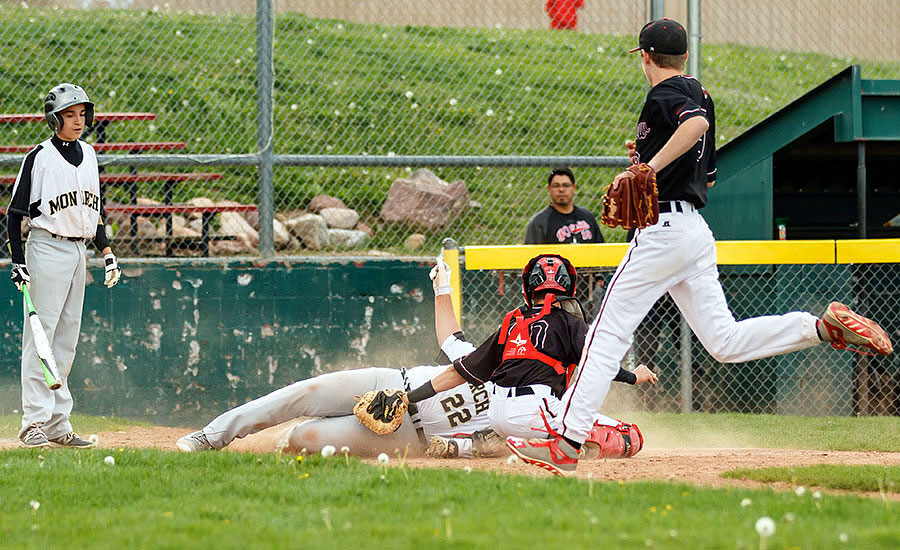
pixel 563 13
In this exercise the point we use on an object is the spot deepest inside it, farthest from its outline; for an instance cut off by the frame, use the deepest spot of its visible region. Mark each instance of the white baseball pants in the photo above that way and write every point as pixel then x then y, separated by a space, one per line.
pixel 524 415
pixel 57 270
pixel 330 396
pixel 676 255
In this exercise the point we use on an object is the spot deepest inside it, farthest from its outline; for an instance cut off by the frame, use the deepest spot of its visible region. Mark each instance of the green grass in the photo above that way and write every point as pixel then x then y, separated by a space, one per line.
pixel 885 479
pixel 340 88
pixel 168 500
pixel 872 433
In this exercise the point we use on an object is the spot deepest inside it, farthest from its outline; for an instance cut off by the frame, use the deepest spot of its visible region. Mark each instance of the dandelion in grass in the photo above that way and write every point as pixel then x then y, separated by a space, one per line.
pixel 800 491
pixel 746 502
pixel 765 527
pixel 512 459
pixel 489 112
pixel 448 527
pixel 453 101
pixel 843 538
pixel 817 495
pixel 34 505
pixel 408 94
pixel 294 106
pixel 789 517
pixel 328 450
pixel 498 72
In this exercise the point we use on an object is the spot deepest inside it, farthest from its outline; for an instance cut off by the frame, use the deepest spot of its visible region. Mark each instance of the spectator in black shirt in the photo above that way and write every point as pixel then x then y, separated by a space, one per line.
pixel 562 221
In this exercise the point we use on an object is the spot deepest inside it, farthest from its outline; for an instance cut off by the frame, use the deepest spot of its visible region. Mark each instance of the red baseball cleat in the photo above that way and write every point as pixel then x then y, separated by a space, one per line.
pixel 842 327
pixel 556 455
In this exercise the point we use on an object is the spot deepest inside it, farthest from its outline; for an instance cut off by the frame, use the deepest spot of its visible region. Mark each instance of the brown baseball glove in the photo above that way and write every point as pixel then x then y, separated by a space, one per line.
pixel 634 202
pixel 381 411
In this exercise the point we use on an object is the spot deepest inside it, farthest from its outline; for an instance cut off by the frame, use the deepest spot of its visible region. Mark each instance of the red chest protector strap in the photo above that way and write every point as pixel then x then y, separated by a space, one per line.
pixel 517 343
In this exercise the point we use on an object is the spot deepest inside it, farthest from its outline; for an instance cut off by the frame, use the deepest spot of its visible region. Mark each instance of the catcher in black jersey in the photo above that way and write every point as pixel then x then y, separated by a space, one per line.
pixel 531 357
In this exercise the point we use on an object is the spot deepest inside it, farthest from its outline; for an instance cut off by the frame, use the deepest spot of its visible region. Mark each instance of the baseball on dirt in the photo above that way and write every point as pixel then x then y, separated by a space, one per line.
pixel 328 450
pixel 109 461
pixel 765 526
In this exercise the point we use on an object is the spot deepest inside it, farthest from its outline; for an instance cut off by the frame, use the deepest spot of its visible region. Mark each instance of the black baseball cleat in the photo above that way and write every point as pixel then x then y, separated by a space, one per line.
pixel 72 441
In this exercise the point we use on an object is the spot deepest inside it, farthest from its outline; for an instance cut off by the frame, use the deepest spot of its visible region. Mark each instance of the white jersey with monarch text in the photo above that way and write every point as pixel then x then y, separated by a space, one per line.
pixel 61 198
pixel 456 412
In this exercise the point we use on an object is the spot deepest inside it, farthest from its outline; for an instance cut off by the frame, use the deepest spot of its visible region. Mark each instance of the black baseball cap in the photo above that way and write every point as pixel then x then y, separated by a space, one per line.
pixel 665 36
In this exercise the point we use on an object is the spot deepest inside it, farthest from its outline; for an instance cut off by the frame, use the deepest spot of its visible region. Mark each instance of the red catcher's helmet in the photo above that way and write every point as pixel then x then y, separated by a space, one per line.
pixel 549 272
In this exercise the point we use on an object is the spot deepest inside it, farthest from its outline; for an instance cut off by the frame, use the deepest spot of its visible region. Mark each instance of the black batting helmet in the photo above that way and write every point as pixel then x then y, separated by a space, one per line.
pixel 548 272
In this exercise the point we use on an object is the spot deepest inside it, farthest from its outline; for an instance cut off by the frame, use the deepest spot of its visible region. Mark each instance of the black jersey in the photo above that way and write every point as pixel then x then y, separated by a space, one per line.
pixel 668 104
pixel 557 334
pixel 550 226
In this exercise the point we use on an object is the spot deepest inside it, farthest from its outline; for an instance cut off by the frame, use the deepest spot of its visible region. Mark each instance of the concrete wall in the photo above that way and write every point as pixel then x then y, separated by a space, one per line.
pixel 181 341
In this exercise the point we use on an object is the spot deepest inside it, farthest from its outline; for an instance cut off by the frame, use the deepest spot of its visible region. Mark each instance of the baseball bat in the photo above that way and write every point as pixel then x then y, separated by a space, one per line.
pixel 41 344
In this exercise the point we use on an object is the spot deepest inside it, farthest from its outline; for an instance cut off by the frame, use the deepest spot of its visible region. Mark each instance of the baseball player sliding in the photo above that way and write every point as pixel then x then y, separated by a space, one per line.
pixel 528 361
pixel 451 424
pixel 58 191
pixel 677 254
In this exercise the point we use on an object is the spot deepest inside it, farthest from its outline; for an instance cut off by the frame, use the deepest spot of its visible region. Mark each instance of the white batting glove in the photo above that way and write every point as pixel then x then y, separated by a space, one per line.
pixel 19 275
pixel 112 270
pixel 440 277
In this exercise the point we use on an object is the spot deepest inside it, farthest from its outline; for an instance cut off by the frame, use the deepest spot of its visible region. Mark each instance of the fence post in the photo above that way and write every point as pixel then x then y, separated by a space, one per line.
pixel 687 390
pixel 265 59
pixel 657 9
pixel 695 30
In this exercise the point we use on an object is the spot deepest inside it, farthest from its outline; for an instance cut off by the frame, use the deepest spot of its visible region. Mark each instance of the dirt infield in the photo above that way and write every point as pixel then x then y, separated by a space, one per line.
pixel 696 466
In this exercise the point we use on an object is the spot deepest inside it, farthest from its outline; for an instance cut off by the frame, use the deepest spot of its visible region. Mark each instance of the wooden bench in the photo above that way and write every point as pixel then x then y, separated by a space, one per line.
pixel 101 121
pixel 207 212
pixel 169 179
pixel 129 146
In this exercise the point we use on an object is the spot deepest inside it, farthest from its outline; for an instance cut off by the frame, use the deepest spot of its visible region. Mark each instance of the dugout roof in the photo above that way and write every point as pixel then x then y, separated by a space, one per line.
pixel 821 165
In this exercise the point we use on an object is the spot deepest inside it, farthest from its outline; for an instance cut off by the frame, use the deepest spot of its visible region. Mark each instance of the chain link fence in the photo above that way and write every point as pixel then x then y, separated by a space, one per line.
pixel 370 83
pixel 818 381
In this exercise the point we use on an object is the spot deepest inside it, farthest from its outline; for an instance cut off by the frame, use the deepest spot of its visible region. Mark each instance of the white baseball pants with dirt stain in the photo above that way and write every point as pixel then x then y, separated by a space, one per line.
pixel 57 271
pixel 676 255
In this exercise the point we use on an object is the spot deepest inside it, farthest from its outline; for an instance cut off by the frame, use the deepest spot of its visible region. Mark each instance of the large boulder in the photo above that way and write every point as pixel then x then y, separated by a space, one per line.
pixel 311 229
pixel 340 218
pixel 424 199
pixel 324 201
pixel 346 238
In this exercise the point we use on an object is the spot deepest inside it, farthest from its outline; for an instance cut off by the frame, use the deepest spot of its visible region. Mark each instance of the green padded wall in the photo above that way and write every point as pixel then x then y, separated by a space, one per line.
pixel 180 341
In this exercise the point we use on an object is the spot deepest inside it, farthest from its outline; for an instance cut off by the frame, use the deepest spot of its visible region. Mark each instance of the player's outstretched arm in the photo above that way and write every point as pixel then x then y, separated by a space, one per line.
pixel 445 323
pixel 643 374
pixel 444 381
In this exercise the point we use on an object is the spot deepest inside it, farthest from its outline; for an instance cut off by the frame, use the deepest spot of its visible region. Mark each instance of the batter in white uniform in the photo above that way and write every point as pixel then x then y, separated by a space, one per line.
pixel 58 191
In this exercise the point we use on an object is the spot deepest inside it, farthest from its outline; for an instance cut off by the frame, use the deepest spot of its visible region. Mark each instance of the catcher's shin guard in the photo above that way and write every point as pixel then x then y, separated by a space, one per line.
pixel 841 326
pixel 621 441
